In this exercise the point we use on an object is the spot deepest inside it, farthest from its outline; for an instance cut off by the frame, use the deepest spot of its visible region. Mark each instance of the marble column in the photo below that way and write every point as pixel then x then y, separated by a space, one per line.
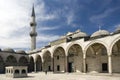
pixel 110 64
pixel 34 66
pixel 66 64
pixel 84 63
pixel 53 64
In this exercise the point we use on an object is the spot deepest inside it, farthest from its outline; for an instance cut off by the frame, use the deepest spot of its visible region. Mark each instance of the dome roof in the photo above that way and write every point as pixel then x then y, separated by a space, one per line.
pixel 8 50
pixel 79 34
pixel 100 33
pixel 69 33
pixel 118 29
pixel 21 52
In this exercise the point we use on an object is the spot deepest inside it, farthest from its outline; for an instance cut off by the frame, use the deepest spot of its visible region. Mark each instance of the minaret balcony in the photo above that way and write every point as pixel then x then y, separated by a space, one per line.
pixel 33 33
pixel 33 24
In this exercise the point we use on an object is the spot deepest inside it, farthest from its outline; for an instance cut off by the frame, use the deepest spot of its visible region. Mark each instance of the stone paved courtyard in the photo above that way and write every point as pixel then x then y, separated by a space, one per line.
pixel 65 76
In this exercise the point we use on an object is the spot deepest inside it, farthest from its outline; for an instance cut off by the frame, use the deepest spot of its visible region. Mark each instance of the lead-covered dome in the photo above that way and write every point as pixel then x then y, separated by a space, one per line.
pixel 117 29
pixel 21 52
pixel 9 50
pixel 79 34
pixel 69 33
pixel 100 33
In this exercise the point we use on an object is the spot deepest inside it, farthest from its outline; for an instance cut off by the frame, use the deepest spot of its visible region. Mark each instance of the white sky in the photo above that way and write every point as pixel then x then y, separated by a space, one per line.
pixel 14 23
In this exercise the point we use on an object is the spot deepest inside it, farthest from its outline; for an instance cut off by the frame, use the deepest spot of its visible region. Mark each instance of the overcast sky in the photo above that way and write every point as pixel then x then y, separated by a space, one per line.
pixel 54 18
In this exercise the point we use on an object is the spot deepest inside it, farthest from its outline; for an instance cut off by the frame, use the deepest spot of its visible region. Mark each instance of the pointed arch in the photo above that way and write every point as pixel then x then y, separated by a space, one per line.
pixel 96 57
pixel 94 42
pixel 2 65
pixel 115 55
pixel 38 63
pixel 75 58
pixel 59 59
pixel 23 61
pixel 11 61
pixel 31 64
pixel 47 61
pixel 74 43
pixel 113 43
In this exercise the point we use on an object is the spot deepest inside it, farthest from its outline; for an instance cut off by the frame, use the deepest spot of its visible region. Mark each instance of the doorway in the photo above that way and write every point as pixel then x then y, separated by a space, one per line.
pixel 104 67
pixel 58 68
pixel 49 68
pixel 70 69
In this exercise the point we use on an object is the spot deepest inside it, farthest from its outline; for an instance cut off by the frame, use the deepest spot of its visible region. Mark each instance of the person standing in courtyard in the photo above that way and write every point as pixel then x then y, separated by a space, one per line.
pixel 46 72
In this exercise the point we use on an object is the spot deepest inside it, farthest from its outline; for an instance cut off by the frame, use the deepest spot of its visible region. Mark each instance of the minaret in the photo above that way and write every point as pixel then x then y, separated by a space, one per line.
pixel 33 32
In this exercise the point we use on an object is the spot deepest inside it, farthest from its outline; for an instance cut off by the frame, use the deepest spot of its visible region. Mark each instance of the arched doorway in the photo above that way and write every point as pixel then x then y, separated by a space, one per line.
pixel 38 63
pixel 96 58
pixel 2 65
pixel 116 57
pixel 31 64
pixel 11 61
pixel 47 61
pixel 23 61
pixel 75 59
pixel 59 60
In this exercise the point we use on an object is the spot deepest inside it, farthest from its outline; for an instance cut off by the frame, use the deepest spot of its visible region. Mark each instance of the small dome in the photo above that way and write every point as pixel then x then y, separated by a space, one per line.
pixel 8 50
pixel 100 33
pixel 79 34
pixel 77 30
pixel 69 33
pixel 21 52
pixel 117 29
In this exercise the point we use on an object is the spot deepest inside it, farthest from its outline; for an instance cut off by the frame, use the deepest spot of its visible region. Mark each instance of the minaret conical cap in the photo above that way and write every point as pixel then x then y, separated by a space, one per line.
pixel 33 11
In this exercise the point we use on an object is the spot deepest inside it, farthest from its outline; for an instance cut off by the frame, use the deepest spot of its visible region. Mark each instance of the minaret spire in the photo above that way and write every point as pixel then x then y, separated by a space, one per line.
pixel 33 32
pixel 33 11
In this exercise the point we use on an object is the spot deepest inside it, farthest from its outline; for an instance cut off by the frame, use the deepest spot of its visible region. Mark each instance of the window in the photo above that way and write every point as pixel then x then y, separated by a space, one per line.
pixel 57 57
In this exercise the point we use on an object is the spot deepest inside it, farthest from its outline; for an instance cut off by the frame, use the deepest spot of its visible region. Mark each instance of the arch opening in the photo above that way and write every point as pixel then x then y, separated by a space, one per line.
pixel 75 58
pixel 59 60
pixel 31 65
pixel 23 61
pixel 116 57
pixel 11 61
pixel 2 65
pixel 38 63
pixel 47 61
pixel 96 58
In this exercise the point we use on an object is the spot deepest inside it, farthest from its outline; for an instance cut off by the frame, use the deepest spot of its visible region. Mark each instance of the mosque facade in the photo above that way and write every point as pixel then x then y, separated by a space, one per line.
pixel 73 52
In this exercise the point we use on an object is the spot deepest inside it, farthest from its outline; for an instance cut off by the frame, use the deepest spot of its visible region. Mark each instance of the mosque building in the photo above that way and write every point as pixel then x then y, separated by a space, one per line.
pixel 73 52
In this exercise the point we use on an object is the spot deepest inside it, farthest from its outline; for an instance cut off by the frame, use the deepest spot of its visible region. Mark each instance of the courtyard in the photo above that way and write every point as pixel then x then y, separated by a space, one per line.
pixel 65 76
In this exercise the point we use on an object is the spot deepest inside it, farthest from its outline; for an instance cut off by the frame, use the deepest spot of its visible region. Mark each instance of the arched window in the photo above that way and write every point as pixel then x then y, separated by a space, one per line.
pixel 17 71
pixel 23 71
